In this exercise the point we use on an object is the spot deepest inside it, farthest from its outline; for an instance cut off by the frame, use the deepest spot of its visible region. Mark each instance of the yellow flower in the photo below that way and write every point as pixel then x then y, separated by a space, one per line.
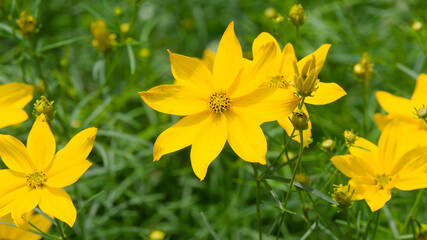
pixel 286 73
pixel 157 235
pixel 36 175
pixel 416 26
pixel 405 110
pixel 13 233
pixel 13 98
pixel 397 162
pixel 26 23
pixel 103 39
pixel 225 105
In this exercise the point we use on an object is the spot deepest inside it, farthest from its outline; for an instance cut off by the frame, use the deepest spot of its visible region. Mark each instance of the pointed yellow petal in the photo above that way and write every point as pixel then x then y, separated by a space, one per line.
pixel 411 164
pixel 175 99
pixel 420 93
pixel 267 104
pixel 11 116
pixel 70 162
pixel 180 135
pixel 382 120
pixel 12 184
pixel 56 202
pixel 41 143
pixel 326 93
pixel 23 204
pixel 412 182
pixel 245 137
pixel 207 144
pixel 10 232
pixel 320 54
pixel 377 199
pixel 288 66
pixel 353 166
pixel 7 201
pixel 260 41
pixel 395 105
pixel 15 155
pixel 208 59
pixel 287 125
pixel 191 72
pixel 228 59
pixel 15 95
pixel 365 149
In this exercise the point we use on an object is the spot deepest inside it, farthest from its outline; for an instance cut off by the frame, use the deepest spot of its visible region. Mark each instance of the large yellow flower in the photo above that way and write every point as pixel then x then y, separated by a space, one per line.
pixel 36 175
pixel 403 109
pixel 224 105
pixel 14 233
pixel 300 77
pixel 397 162
pixel 13 98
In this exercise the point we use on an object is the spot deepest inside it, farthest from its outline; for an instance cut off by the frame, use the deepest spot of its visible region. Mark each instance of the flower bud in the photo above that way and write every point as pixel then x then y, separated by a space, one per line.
pixel 350 137
pixel 296 15
pixel 124 27
pixel 300 120
pixel 144 52
pixel 279 19
pixel 26 23
pixel 416 26
pixel 328 145
pixel 422 113
pixel 118 11
pixel 44 106
pixel 157 235
pixel 270 13
pixel 343 195
pixel 363 69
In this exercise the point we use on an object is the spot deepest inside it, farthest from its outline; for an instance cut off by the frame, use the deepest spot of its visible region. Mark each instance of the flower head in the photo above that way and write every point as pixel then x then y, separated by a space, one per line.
pixel 103 40
pixel 36 175
pixel 226 104
pixel 13 233
pixel 14 97
pixel 397 162
pixel 26 23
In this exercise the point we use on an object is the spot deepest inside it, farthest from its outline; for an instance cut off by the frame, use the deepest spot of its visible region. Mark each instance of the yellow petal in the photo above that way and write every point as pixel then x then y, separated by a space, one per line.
pixel 395 105
pixel 208 143
pixel 260 41
pixel 11 186
pixel 180 135
pixel 382 120
pixel 191 71
pixel 267 104
pixel 377 198
pixel 320 55
pixel 10 116
pixel 41 143
pixel 10 232
pixel 23 204
pixel 15 95
pixel 228 60
pixel 56 202
pixel 287 125
pixel 411 164
pixel 208 59
pixel 40 222
pixel 15 155
pixel 245 137
pixel 412 182
pixel 420 93
pixel 365 149
pixel 353 166
pixel 326 93
pixel 175 99
pixel 288 65
pixel 70 162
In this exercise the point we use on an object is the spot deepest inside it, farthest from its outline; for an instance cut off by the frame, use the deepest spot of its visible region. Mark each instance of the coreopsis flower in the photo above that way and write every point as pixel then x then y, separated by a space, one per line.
pixel 103 39
pixel 14 233
pixel 26 23
pixel 410 112
pixel 398 162
pixel 36 175
pixel 300 77
pixel 14 97
pixel 225 105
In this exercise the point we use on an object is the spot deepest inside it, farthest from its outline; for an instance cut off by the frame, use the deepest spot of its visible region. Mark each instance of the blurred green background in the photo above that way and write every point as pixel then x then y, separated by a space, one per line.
pixel 124 195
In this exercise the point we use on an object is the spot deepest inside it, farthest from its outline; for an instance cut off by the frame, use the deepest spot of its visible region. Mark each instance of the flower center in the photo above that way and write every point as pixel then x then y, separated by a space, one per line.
pixel 219 102
pixel 277 82
pixel 383 180
pixel 36 179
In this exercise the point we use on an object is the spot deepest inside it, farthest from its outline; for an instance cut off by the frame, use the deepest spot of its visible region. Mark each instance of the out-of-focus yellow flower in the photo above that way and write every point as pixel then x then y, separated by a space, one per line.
pixel 43 106
pixel 296 15
pixel 36 175
pixel 279 19
pixel 350 137
pixel 13 98
pixel 405 110
pixel 270 13
pixel 398 162
pixel 124 27
pixel 226 104
pixel 144 52
pixel 416 26
pixel 363 69
pixel 157 235
pixel 103 39
pixel 26 23
pixel 118 11
pixel 13 233
pixel 302 178
pixel 343 195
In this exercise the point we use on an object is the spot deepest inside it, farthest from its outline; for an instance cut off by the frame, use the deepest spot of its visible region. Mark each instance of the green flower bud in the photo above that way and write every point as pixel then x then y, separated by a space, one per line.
pixel 300 120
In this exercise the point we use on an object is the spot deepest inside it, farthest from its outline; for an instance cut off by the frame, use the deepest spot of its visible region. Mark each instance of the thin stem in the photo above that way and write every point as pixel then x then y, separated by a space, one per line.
pixel 42 232
pixel 301 103
pixel 317 227
pixel 414 206
pixel 376 224
pixel 258 209
pixel 282 217
pixel 60 229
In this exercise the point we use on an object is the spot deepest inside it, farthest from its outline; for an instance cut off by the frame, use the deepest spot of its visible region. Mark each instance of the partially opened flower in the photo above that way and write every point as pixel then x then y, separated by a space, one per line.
pixel 411 113
pixel 300 77
pixel 36 175
pixel 224 105
pixel 14 233
pixel 397 162
pixel 13 98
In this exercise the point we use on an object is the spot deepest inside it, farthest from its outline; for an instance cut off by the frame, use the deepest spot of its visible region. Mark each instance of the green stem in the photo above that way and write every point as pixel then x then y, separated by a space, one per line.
pixel 60 229
pixel 301 103
pixel 365 107
pixel 376 224
pixel 295 170
pixel 258 209
pixel 42 232
pixel 411 212
pixel 282 217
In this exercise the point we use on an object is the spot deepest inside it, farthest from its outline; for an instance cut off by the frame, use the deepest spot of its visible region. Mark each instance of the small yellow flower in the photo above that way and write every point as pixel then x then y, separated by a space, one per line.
pixel 103 39
pixel 124 27
pixel 43 106
pixel 363 69
pixel 26 23
pixel 397 162
pixel 157 235
pixel 343 195
pixel 14 97
pixel 13 233
pixel 36 175
pixel 416 26
pixel 226 104
pixel 296 15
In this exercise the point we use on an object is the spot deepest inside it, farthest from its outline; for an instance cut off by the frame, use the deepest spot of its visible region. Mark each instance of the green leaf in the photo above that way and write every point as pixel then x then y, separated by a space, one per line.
pixel 131 58
pixel 62 43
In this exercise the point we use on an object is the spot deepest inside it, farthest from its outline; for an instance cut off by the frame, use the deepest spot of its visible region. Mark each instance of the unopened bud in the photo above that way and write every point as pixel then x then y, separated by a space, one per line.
pixel 296 15
pixel 270 13
pixel 118 11
pixel 328 145
pixel 26 23
pixel 44 106
pixel 350 137
pixel 157 235
pixel 124 27
pixel 343 195
pixel 300 120
pixel 416 26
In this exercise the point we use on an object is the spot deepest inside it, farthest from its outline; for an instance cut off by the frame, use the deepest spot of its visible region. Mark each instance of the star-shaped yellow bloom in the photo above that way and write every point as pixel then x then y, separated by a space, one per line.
pixel 299 77
pixel 13 98
pixel 397 162
pixel 14 233
pixel 405 110
pixel 223 105
pixel 36 175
